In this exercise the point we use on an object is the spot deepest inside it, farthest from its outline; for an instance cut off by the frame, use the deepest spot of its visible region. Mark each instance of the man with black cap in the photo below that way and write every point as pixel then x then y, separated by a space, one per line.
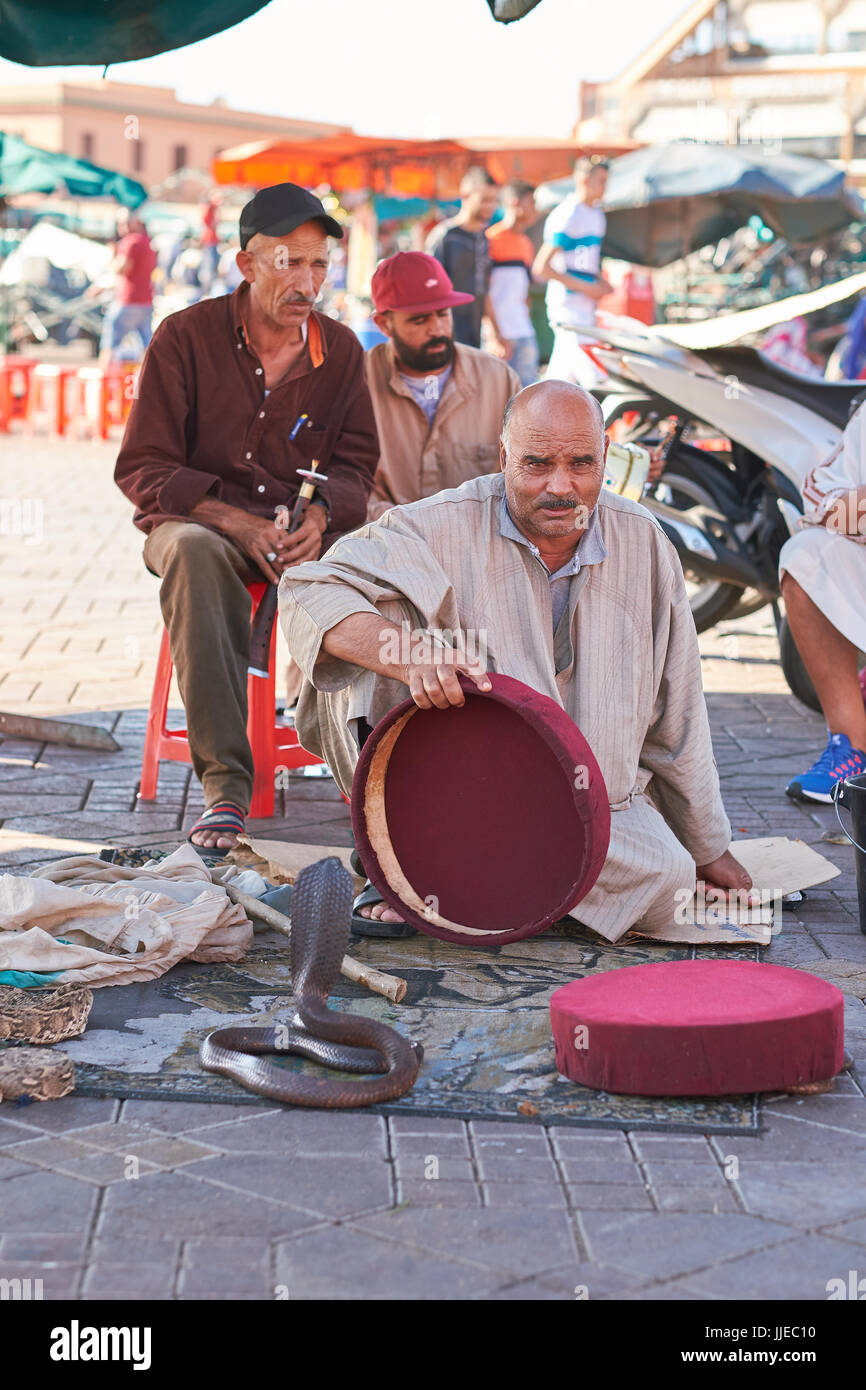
pixel 235 395
pixel 438 403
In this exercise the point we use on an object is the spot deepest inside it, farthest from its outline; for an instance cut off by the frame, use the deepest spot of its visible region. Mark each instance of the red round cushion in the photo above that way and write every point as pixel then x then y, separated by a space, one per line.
pixel 698 1028
pixel 482 823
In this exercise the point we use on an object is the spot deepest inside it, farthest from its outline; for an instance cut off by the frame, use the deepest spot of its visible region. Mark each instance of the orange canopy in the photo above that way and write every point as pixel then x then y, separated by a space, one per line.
pixel 415 168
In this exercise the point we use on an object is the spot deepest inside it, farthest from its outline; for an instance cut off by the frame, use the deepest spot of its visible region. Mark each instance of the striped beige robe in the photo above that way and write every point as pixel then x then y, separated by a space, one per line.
pixel 624 663
pixel 828 564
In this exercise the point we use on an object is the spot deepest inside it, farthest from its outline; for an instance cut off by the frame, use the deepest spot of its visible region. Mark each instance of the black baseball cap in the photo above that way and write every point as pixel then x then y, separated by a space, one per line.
pixel 278 210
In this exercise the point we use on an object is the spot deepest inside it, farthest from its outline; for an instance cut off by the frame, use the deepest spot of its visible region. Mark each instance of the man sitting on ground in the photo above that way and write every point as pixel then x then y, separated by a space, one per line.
pixel 438 403
pixel 573 590
pixel 235 395
pixel 823 570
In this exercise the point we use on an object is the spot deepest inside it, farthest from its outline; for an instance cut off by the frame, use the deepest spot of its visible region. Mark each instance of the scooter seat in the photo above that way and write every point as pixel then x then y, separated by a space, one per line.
pixel 832 400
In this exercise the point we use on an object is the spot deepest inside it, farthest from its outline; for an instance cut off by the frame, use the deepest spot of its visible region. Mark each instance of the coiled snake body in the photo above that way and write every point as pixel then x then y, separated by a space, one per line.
pixel 321 912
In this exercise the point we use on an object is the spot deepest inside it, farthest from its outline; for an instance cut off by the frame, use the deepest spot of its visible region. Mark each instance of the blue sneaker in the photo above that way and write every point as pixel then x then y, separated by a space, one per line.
pixel 838 760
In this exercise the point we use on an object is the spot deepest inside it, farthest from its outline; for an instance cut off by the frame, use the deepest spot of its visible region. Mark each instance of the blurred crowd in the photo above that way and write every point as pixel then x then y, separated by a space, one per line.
pixel 494 248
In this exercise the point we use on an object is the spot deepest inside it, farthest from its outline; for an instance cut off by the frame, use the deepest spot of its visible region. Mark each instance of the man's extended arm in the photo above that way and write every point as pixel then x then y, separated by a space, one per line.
pixel 502 346
pixel 847 514
pixel 678 747
pixel 427 666
pixel 334 617
pixel 596 288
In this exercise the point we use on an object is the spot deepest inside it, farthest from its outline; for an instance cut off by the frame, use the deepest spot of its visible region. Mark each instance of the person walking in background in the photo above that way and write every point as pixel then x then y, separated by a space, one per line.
pixel 853 364
pixel 228 271
pixel 209 241
pixel 511 257
pixel 461 245
pixel 570 262
pixel 438 403
pixel 131 310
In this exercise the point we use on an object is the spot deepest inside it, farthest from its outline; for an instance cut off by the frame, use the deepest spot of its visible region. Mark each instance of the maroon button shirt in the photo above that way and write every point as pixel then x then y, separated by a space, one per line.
pixel 201 424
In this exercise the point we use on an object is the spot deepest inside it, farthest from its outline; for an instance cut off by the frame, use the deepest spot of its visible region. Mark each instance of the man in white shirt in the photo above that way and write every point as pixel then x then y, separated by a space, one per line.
pixel 570 262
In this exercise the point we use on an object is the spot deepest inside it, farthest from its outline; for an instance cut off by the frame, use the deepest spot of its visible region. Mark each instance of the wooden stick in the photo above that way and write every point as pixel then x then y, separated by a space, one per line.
pixel 389 986
pixel 63 731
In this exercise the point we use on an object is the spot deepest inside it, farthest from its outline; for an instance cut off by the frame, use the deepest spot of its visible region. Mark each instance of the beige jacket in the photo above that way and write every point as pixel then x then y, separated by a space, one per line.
pixel 416 461
pixel 623 662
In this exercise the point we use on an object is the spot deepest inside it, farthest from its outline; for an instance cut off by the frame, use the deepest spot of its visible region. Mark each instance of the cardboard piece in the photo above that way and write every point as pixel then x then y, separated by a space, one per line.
pixel 719 930
pixel 778 865
pixel 281 861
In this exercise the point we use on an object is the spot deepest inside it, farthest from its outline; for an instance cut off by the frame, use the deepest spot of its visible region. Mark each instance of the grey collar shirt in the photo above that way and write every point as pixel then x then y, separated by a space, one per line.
pixel 591 550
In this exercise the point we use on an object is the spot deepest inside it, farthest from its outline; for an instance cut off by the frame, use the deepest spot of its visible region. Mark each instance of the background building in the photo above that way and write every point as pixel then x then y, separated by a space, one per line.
pixel 789 75
pixel 143 131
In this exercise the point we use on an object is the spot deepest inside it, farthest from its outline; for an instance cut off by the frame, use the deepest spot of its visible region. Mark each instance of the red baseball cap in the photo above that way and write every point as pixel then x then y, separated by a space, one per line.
pixel 414 283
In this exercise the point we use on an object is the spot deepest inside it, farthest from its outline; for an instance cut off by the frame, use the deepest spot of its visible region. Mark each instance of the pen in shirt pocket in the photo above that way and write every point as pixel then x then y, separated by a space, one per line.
pixel 301 420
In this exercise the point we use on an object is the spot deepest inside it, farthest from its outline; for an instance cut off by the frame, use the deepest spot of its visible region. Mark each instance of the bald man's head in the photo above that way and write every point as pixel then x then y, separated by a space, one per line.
pixel 552 453
pixel 562 397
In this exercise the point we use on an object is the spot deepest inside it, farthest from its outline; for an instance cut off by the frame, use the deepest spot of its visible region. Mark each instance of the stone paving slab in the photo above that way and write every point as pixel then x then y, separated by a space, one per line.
pixel 251 1202
pixel 659 1245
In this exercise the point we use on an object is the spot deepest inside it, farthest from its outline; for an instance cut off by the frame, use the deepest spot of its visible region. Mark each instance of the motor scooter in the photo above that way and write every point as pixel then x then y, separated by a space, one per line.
pixel 738 434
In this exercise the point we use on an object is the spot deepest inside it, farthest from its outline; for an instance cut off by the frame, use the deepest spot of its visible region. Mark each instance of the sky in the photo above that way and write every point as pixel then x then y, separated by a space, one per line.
pixel 418 68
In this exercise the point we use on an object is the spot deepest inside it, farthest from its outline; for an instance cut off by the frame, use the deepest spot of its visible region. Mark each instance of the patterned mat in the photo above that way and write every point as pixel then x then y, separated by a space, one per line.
pixel 482 1017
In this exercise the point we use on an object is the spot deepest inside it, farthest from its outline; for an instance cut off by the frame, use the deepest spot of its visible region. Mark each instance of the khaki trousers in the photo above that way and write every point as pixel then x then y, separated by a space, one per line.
pixel 206 609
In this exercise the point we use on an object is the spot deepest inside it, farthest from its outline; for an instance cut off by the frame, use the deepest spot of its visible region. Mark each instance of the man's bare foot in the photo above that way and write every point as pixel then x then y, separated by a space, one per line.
pixel 213 839
pixel 380 912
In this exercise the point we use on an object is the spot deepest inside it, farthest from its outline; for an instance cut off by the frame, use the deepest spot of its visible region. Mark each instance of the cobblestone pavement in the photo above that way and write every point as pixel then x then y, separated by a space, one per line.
pixel 259 1202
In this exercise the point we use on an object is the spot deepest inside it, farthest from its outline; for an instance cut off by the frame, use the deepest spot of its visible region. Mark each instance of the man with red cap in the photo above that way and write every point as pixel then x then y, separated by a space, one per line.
pixel 438 403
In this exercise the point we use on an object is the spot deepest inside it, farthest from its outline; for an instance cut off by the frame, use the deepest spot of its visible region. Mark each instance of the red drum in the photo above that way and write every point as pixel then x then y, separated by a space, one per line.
pixel 698 1028
pixel 481 824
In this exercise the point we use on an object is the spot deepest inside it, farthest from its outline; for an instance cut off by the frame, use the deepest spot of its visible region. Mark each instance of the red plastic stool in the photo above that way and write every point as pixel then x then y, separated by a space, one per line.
pixel 273 744
pixel 121 383
pixel 49 389
pixel 105 395
pixel 92 401
pixel 15 387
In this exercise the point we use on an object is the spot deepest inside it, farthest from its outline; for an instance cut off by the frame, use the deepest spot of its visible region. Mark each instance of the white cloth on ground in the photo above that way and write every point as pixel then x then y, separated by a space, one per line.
pixel 119 925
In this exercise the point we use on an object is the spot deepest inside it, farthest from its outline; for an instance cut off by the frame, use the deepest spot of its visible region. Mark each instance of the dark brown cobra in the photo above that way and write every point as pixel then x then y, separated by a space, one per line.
pixel 321 913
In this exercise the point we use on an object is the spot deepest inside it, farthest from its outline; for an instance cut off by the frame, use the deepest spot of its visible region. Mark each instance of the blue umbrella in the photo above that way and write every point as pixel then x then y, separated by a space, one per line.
pixel 667 200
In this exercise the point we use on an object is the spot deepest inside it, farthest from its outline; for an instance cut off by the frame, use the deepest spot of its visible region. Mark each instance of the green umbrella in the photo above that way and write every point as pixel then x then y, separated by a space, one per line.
pixel 26 169
pixel 42 32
